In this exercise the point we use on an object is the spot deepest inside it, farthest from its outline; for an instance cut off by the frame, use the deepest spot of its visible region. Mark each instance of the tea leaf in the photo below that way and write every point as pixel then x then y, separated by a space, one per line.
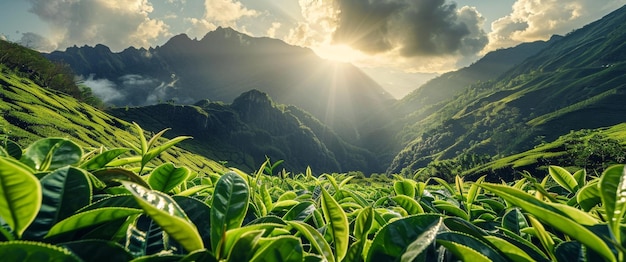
pixel 338 224
pixel 167 176
pixel 20 195
pixel 228 207
pixel 563 178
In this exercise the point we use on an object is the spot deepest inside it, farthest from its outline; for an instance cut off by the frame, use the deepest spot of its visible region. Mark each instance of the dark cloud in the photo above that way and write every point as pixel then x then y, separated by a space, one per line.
pixel 413 27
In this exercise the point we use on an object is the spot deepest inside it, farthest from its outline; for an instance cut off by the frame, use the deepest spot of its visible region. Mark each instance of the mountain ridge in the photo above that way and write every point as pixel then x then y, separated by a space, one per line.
pixel 226 63
pixel 542 98
pixel 251 129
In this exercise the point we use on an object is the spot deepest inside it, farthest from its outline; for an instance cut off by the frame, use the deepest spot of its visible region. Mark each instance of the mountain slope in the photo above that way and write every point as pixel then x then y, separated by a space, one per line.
pixel 578 82
pixel 392 129
pixel 29 112
pixel 226 63
pixel 252 128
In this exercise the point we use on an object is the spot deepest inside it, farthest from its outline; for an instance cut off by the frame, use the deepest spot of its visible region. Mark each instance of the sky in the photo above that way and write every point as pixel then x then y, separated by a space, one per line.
pixel 399 43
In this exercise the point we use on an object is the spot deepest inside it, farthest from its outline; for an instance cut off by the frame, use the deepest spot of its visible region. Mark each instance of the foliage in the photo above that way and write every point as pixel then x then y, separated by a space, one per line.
pixel 74 207
pixel 56 76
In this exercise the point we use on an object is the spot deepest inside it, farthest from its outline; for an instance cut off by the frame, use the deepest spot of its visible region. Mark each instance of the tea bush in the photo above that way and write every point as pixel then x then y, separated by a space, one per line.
pixel 60 203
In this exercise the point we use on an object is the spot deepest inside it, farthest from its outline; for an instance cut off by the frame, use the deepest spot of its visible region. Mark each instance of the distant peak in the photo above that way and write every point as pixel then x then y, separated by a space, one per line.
pixel 253 97
pixel 182 38
pixel 224 33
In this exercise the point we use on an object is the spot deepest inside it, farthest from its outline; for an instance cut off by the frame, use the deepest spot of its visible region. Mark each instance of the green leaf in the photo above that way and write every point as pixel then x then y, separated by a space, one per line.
pixel 417 247
pixel 301 211
pixel 589 196
pixel 514 220
pixel 114 175
pixel 98 250
pixel 199 213
pixel 528 247
pixel 51 153
pixel 229 206
pixel 468 248
pixel 154 152
pixel 511 251
pixel 564 218
pixel 613 191
pixel 279 249
pixel 20 195
pixel 393 239
pixel 167 176
pixel 91 218
pixel 65 191
pixel 563 178
pixel 194 190
pixel 124 161
pixel 244 247
pixel 473 193
pixel 409 204
pixel 12 149
pixel 231 236
pixel 166 212
pixel 363 223
pixel 404 187
pixel 154 138
pixel 569 251
pixel 104 158
pixel 581 177
pixel 338 224
pixel 444 184
pixel 142 139
pixel 266 197
pixel 27 251
pixel 315 238
pixel 544 237
pixel 450 209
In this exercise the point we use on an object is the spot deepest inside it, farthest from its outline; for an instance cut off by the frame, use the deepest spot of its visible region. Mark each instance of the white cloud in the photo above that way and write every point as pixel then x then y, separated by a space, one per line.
pixel 115 23
pixel 271 32
pixel 103 89
pixel 36 42
pixel 533 20
pixel 226 12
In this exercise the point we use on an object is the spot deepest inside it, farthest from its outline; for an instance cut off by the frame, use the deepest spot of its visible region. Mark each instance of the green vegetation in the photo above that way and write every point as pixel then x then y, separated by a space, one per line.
pixel 576 83
pixel 29 113
pixel 32 65
pixel 60 203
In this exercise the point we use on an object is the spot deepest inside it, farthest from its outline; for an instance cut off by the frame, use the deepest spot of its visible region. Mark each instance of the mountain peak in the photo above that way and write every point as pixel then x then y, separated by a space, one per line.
pixel 178 39
pixel 253 97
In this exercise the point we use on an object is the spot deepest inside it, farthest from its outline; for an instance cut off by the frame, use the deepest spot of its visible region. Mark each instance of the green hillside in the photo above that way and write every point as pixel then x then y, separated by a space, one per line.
pixel 29 112
pixel 577 82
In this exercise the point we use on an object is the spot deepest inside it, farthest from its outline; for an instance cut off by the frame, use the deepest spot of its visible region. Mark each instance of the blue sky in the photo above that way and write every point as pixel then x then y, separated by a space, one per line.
pixel 400 43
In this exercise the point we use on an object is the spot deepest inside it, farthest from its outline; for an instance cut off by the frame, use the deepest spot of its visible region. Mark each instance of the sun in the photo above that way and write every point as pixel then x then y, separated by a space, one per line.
pixel 338 53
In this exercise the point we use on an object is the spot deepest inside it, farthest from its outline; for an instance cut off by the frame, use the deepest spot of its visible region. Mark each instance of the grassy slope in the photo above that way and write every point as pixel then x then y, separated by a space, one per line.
pixel 537 159
pixel 29 112
pixel 576 83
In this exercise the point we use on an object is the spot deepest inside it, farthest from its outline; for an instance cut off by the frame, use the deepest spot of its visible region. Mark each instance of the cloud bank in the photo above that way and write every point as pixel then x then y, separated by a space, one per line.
pixel 414 28
pixel 115 23
pixel 417 35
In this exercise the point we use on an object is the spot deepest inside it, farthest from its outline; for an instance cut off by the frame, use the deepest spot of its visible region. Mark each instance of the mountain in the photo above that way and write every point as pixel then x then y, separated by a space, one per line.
pixel 29 112
pixel 224 64
pixel 387 132
pixel 252 128
pixel 576 82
